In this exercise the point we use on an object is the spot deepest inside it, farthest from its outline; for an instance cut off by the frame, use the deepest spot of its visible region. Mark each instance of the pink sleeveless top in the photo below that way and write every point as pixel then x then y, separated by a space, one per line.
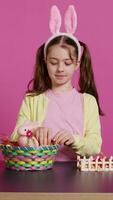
pixel 65 111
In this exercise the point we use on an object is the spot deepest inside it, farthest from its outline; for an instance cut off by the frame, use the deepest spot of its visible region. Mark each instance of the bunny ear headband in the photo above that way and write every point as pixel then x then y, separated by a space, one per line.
pixel 70 22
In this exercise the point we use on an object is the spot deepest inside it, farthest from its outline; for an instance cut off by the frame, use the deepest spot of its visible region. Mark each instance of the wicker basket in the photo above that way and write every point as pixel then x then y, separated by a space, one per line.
pixel 29 158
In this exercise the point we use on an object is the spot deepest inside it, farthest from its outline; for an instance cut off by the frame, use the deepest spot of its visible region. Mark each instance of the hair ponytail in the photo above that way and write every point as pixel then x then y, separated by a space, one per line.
pixel 86 80
pixel 41 81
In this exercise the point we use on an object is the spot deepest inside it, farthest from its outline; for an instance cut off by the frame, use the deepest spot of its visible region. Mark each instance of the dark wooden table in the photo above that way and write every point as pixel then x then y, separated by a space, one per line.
pixel 63 178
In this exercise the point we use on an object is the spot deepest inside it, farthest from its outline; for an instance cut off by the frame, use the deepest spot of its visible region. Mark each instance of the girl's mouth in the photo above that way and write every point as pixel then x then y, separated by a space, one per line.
pixel 60 76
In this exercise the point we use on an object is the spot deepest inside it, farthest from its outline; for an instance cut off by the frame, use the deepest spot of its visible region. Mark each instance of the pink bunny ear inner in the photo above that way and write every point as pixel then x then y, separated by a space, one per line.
pixel 70 20
pixel 55 20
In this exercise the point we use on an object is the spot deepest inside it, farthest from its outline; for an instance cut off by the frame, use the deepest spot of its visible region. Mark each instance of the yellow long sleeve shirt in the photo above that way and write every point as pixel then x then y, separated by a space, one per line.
pixel 34 108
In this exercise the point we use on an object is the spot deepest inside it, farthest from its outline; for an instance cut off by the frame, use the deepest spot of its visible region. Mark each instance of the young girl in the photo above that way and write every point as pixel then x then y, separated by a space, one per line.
pixel 66 116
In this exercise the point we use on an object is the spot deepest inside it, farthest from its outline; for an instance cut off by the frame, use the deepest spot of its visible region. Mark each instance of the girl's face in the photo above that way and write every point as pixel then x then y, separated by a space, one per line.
pixel 60 66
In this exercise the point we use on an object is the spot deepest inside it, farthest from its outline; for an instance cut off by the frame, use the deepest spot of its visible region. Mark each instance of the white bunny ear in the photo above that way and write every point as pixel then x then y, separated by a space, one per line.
pixel 55 20
pixel 70 20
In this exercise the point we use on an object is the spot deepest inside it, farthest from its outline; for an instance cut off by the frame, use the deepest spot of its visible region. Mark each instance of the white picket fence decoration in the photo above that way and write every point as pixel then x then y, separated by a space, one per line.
pixel 95 164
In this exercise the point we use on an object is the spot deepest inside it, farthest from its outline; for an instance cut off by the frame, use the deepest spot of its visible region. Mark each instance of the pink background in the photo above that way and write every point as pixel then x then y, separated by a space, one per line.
pixel 24 27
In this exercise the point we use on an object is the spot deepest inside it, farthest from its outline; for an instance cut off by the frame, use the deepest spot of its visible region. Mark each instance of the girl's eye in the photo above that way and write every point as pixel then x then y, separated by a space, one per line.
pixel 53 63
pixel 68 64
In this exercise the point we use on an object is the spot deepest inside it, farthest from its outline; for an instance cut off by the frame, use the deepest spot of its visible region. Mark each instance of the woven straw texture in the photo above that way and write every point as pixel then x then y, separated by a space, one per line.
pixel 29 158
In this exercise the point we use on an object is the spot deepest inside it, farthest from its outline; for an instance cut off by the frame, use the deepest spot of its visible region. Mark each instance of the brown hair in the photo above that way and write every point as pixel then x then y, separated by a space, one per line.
pixel 42 82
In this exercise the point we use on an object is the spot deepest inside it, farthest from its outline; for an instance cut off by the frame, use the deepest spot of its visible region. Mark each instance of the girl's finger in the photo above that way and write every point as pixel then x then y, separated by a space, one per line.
pixel 69 142
pixel 49 137
pixel 37 134
pixel 55 138
pixel 41 136
pixel 45 130
pixel 64 139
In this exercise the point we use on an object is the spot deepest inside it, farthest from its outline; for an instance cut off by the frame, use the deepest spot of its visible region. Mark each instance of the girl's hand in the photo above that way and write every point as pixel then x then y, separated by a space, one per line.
pixel 43 135
pixel 64 137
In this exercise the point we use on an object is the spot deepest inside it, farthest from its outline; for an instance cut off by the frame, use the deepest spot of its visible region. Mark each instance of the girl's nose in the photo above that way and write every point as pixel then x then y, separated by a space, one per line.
pixel 60 67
